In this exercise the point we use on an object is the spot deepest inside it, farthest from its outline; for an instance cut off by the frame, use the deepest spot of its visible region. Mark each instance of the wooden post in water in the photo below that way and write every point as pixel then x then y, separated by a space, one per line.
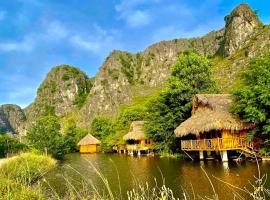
pixel 224 156
pixel 201 155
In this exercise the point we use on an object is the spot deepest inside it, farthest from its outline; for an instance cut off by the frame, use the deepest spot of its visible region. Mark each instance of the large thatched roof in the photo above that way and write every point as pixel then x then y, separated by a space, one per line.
pixel 89 139
pixel 136 131
pixel 211 112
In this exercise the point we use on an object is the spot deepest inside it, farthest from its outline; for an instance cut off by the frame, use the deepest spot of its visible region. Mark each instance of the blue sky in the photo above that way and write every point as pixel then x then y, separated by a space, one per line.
pixel 36 35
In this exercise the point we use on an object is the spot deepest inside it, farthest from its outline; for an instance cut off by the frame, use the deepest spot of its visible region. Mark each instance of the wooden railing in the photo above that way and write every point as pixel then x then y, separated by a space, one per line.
pixel 216 144
pixel 136 147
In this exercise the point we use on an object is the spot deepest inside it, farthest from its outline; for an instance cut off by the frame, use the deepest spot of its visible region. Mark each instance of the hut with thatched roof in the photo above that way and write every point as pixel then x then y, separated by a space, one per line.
pixel 212 126
pixel 136 139
pixel 89 144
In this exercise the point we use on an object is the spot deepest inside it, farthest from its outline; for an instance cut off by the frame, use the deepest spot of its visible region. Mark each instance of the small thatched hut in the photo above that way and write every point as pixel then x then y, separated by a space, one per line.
pixel 136 139
pixel 89 144
pixel 214 127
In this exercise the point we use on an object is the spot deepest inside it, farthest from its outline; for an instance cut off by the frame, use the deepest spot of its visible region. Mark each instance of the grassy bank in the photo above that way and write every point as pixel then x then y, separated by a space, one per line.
pixel 20 176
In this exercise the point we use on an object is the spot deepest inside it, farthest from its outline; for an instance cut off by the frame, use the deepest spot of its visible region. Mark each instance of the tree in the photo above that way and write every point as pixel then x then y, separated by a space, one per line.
pixel 191 74
pixel 72 135
pixel 252 99
pixel 128 115
pixel 102 128
pixel 45 136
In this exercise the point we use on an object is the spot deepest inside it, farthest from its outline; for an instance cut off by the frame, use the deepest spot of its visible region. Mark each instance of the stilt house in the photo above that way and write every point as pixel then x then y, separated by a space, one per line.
pixel 212 127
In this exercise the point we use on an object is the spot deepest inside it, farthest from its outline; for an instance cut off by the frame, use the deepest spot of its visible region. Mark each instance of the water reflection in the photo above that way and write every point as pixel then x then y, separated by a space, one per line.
pixel 128 171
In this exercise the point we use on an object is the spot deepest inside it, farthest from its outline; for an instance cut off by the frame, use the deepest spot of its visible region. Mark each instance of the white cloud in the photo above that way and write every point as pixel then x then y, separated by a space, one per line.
pixel 127 5
pixel 26 45
pixel 55 30
pixel 128 11
pixel 171 32
pixel 85 43
pixel 2 15
pixel 138 18
pixel 98 41
pixel 51 31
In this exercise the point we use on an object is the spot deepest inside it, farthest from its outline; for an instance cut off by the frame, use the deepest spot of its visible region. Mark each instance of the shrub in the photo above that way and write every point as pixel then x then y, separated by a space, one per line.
pixel 10 145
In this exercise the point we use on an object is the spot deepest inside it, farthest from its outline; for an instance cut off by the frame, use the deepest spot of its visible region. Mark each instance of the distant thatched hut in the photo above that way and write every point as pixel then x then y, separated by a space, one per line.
pixel 215 128
pixel 89 144
pixel 136 139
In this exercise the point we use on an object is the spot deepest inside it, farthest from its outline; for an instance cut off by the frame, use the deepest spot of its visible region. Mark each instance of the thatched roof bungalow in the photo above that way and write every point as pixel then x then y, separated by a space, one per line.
pixel 136 131
pixel 136 138
pixel 213 125
pixel 211 112
pixel 89 144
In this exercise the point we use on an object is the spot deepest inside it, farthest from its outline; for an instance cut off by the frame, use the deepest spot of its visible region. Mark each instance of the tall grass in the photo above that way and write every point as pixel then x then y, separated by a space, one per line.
pixel 255 190
pixel 20 176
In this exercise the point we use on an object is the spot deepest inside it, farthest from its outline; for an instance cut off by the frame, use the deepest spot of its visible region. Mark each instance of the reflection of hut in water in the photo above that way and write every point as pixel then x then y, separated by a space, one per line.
pixel 137 141
pixel 213 127
pixel 89 144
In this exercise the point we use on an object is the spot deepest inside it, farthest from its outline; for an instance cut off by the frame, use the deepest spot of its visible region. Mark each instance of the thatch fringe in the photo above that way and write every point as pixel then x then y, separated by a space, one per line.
pixel 88 139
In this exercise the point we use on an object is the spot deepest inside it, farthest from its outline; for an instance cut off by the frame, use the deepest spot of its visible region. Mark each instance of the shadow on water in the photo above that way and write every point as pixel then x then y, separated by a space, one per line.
pixel 177 174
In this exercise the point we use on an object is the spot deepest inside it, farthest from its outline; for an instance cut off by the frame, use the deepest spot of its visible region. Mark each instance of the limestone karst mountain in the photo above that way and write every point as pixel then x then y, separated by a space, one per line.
pixel 12 118
pixel 124 75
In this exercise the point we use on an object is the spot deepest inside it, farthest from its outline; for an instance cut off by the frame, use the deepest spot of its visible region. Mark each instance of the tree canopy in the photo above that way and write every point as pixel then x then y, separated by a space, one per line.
pixel 191 74
pixel 252 99
pixel 45 136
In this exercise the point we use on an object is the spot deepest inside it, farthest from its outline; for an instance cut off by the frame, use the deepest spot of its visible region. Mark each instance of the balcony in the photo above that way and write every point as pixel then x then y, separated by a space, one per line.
pixel 216 144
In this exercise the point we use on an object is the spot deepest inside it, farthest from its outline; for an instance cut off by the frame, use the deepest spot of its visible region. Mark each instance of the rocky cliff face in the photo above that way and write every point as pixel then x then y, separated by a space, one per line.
pixel 12 118
pixel 240 26
pixel 124 75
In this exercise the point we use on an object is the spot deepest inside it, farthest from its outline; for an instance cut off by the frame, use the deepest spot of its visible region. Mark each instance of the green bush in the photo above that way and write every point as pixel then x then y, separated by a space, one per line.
pixel 65 77
pixel 10 145
pixel 27 168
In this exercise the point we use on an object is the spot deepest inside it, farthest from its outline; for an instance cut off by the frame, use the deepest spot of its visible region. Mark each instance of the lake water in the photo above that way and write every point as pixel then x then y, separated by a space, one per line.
pixel 177 174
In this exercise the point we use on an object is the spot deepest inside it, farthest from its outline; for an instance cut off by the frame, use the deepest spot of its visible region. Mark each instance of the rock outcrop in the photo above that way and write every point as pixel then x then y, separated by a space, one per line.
pixel 12 119
pixel 64 90
pixel 240 26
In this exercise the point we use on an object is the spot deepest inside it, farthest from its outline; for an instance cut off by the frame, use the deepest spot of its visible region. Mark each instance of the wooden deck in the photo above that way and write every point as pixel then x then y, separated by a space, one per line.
pixel 216 144
pixel 139 147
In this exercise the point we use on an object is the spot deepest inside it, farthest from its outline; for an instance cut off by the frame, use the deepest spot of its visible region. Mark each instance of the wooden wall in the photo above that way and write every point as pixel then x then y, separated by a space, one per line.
pixel 92 148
